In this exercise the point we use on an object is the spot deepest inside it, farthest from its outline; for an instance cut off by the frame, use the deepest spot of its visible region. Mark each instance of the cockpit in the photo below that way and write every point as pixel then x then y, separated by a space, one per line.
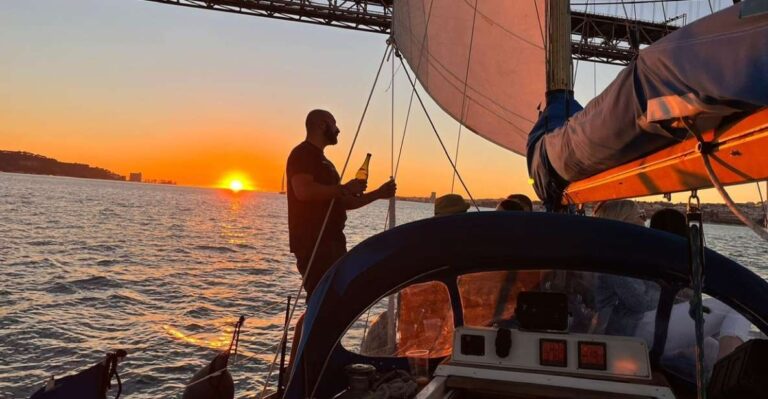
pixel 478 306
pixel 550 326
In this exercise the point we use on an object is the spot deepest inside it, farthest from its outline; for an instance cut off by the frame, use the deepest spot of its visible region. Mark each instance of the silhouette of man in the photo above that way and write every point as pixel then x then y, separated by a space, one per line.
pixel 313 184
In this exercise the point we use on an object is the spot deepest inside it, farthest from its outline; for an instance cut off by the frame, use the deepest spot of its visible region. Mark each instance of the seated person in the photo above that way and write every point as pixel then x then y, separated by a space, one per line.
pixel 523 200
pixel 450 204
pixel 627 306
pixel 731 328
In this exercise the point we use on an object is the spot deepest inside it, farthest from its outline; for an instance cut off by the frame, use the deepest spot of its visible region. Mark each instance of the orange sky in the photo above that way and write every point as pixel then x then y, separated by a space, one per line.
pixel 192 96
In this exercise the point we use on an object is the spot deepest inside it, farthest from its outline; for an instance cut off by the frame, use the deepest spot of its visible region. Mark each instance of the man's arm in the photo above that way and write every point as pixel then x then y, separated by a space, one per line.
pixel 386 190
pixel 307 189
pixel 361 201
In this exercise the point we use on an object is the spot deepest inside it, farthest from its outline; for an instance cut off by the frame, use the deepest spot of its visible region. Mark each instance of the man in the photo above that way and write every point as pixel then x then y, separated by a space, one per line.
pixel 313 185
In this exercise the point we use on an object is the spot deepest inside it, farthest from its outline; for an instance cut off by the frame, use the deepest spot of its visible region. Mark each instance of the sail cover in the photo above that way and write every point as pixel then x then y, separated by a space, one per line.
pixel 711 69
pixel 483 62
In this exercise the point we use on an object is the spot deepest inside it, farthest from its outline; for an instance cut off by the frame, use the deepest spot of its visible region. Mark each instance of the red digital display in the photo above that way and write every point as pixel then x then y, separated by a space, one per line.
pixel 553 352
pixel 592 356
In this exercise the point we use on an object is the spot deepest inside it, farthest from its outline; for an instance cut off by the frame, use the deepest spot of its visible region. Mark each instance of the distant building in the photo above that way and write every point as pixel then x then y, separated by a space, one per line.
pixel 135 176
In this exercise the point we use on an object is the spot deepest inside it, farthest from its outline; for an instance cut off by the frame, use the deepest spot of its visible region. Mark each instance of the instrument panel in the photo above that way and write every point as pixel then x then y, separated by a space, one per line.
pixel 596 355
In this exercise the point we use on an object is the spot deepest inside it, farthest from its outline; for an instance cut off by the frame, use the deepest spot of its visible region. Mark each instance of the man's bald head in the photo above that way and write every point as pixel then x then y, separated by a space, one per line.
pixel 321 125
pixel 316 119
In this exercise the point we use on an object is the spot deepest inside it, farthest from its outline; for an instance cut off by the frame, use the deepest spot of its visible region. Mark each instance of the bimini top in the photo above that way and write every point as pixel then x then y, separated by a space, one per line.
pixel 677 77
pixel 441 248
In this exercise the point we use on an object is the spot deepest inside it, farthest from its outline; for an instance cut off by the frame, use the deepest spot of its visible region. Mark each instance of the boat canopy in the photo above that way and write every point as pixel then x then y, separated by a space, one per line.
pixel 483 62
pixel 447 247
pixel 711 69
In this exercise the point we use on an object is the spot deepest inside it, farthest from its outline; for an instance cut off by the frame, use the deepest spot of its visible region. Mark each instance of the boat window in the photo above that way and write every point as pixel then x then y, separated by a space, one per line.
pixel 597 303
pixel 423 320
pixel 724 330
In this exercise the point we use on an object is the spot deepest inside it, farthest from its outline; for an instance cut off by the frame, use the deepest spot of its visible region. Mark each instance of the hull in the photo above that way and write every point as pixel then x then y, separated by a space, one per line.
pixel 738 157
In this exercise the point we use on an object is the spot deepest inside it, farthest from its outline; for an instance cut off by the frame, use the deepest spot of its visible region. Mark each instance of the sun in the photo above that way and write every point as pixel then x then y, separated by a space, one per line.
pixel 236 185
pixel 236 182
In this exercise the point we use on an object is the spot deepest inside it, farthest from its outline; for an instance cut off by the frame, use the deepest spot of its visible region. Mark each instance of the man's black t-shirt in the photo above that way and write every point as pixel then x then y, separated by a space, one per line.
pixel 305 218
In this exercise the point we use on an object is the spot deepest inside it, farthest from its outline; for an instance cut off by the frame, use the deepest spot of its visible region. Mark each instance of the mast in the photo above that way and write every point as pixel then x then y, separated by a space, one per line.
pixel 558 45
pixel 558 51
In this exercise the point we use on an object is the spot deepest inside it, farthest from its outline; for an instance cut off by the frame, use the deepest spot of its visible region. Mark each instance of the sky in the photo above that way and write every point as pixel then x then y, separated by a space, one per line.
pixel 195 96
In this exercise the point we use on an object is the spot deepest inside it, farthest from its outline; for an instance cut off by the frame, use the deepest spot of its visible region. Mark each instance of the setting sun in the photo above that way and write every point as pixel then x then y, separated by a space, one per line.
pixel 236 182
pixel 235 185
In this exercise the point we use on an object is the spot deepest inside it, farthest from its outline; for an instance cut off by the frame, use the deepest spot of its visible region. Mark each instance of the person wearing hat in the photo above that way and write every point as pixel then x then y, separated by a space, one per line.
pixel 509 205
pixel 450 204
pixel 521 199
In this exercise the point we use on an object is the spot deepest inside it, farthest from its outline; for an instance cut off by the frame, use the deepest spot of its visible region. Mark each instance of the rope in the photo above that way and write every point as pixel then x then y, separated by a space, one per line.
pixel 696 258
pixel 763 203
pixel 704 149
pixel 439 139
pixel 322 229
pixel 392 118
pixel 214 374
pixel 464 94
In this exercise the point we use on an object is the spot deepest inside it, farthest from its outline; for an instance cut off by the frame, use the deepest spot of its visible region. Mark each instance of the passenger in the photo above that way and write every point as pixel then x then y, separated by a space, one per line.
pixel 509 205
pixel 621 302
pixel 631 303
pixel 731 328
pixel 523 200
pixel 450 204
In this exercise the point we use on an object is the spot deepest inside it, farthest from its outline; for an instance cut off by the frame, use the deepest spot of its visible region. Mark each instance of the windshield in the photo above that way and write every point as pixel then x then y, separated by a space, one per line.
pixel 420 316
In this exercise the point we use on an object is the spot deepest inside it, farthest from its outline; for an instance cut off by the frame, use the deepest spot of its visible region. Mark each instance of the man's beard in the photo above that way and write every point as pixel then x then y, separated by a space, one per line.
pixel 331 136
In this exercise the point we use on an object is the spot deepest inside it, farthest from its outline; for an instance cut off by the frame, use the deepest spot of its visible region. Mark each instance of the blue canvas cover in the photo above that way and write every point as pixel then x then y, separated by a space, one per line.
pixel 711 69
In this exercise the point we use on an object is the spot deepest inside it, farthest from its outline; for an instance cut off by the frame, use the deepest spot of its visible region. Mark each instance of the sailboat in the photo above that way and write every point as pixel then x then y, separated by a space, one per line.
pixel 282 184
pixel 477 60
pixel 433 288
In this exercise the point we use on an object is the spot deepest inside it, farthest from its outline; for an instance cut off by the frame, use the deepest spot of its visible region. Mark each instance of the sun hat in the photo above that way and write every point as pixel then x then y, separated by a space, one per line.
pixel 450 204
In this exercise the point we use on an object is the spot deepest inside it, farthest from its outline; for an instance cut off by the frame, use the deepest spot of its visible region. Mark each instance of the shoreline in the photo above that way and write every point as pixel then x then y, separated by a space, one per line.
pixel 714 213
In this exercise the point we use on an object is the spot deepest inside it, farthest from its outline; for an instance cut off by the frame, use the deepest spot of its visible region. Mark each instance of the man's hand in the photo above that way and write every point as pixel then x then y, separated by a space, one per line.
pixel 387 190
pixel 355 187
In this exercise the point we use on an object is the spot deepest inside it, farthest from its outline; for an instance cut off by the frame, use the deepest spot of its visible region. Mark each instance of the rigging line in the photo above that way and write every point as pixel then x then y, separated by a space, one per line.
pixel 541 28
pixel 322 230
pixel 581 46
pixel 392 120
pixel 439 139
pixel 762 202
pixel 445 73
pixel 464 95
pixel 496 24
pixel 402 140
pixel 594 79
pixel 611 3
pixel 413 90
pixel 704 151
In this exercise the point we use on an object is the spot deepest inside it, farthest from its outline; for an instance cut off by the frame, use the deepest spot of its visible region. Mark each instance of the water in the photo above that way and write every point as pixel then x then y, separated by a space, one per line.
pixel 89 266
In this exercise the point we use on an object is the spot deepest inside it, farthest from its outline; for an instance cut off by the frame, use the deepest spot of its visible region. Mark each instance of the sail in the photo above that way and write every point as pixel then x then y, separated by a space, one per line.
pixel 707 71
pixel 483 62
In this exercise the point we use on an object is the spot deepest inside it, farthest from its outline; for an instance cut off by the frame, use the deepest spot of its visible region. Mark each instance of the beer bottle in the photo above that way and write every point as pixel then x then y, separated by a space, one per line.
pixel 362 173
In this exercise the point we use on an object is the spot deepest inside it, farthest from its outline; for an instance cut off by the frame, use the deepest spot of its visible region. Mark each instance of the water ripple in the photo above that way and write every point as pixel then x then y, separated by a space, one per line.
pixel 92 266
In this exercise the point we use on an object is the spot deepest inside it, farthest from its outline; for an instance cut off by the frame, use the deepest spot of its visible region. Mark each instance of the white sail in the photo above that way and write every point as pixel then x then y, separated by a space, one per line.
pixel 499 79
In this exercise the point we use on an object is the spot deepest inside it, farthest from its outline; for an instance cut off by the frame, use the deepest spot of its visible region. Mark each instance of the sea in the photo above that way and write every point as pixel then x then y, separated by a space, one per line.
pixel 164 272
